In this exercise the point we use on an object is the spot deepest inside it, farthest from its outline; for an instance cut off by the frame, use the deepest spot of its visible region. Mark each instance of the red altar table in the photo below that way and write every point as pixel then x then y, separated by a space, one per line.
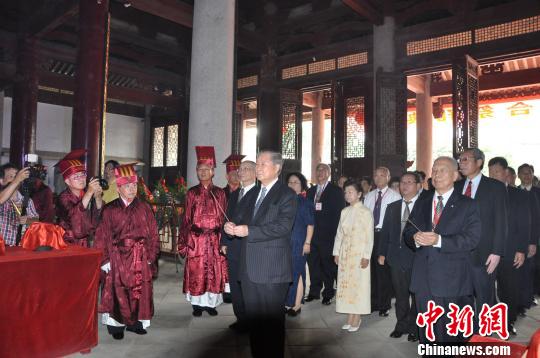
pixel 48 302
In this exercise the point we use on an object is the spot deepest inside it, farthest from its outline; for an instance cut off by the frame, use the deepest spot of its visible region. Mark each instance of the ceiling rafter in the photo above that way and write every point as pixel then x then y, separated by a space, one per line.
pixel 365 9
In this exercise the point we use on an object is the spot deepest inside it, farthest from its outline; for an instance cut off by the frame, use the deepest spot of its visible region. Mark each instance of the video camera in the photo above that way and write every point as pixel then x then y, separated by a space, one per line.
pixel 37 172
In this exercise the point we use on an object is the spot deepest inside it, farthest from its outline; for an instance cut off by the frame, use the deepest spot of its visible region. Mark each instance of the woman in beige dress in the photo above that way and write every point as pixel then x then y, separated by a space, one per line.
pixel 352 251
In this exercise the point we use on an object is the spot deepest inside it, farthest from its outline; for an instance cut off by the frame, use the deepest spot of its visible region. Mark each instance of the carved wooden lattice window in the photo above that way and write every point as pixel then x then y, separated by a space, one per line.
pixel 355 59
pixel 355 132
pixel 158 140
pixel 172 145
pixel 439 43
pixel 165 143
pixel 288 131
pixel 508 29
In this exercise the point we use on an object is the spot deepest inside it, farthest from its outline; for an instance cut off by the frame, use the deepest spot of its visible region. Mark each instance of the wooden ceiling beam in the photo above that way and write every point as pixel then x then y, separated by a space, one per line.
pixel 511 79
pixel 363 8
pixel 49 16
pixel 146 75
pixel 62 82
pixel 172 10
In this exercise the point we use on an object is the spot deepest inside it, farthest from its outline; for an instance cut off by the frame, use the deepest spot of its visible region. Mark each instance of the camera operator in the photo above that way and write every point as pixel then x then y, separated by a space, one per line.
pixel 78 209
pixel 10 208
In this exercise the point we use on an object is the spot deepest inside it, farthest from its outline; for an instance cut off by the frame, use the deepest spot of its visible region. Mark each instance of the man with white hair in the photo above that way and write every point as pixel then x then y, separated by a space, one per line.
pixel 444 231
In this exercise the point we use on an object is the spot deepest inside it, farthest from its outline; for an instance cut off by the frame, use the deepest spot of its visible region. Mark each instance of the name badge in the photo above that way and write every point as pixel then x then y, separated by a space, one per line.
pixel 318 206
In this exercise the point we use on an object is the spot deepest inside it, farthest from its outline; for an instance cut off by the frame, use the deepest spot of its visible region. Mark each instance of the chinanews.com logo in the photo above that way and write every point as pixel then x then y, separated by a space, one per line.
pixel 491 320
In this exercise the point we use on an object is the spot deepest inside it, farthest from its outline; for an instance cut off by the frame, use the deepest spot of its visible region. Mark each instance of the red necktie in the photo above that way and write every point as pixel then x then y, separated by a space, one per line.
pixel 468 191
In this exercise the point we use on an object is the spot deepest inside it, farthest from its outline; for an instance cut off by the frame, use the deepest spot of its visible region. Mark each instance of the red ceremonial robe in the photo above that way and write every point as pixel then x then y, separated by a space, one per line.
pixel 44 203
pixel 129 239
pixel 78 222
pixel 205 272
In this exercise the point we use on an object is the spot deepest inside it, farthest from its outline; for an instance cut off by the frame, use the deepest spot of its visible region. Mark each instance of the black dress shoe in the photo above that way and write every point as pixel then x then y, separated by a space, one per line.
pixel 383 313
pixel 327 301
pixel 512 329
pixel 197 311
pixel 412 337
pixel 119 335
pixel 311 298
pixel 534 302
pixel 211 311
pixel 293 313
pixel 396 334
pixel 227 297
pixel 136 330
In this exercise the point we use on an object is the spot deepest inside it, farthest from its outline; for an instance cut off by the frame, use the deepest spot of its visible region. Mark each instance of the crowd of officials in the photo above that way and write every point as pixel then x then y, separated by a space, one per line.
pixel 459 237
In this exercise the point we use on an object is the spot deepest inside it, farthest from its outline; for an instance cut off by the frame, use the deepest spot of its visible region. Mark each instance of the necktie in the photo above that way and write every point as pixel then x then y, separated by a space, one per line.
pixel 438 211
pixel 319 193
pixel 406 214
pixel 468 191
pixel 377 209
pixel 241 194
pixel 259 201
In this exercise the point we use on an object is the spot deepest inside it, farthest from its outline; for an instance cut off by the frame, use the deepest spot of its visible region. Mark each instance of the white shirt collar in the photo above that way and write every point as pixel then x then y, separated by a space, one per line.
pixel 249 187
pixel 475 180
pixel 383 190
pixel 269 186
pixel 413 200
pixel 445 195
pixel 126 202
pixel 526 187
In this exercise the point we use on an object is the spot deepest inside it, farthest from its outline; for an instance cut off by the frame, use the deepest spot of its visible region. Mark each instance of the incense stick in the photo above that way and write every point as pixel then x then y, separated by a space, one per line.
pixel 219 206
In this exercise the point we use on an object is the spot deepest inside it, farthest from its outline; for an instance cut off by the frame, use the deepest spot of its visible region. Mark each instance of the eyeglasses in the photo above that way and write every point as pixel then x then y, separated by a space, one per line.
pixel 78 176
pixel 294 182
pixel 465 159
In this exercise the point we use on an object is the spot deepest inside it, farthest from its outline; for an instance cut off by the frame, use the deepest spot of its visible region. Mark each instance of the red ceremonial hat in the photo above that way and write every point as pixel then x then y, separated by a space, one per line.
pixel 72 163
pixel 233 162
pixel 206 155
pixel 125 174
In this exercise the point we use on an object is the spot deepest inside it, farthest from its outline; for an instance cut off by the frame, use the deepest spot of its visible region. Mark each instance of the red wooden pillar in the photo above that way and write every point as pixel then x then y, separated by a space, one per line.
pixel 90 93
pixel 24 106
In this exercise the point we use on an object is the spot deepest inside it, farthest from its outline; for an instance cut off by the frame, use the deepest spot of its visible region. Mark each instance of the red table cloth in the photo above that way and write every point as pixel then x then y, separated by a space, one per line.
pixel 48 301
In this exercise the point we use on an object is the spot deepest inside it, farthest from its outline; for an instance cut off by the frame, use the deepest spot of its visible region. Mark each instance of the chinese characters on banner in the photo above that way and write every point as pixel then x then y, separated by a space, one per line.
pixel 491 320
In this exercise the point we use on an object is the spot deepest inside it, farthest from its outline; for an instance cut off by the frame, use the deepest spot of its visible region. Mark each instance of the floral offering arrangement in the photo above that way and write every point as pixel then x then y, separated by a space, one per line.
pixel 166 200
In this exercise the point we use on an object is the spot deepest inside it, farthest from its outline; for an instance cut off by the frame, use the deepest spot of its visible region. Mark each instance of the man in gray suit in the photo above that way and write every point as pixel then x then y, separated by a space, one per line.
pixel 265 261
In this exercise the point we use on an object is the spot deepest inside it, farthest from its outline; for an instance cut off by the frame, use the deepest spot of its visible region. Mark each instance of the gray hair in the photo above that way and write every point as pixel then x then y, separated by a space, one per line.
pixel 477 154
pixel 251 164
pixel 450 160
pixel 326 166
pixel 275 157
pixel 384 169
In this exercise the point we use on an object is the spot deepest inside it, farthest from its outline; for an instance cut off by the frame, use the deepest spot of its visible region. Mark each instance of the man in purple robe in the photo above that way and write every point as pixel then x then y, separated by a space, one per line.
pixel 128 236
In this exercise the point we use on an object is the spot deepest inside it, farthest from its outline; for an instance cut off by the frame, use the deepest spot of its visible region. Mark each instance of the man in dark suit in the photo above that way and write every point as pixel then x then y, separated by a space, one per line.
pixel 531 269
pixel 329 201
pixel 231 245
pixel 509 273
pixel 265 259
pixel 491 197
pixel 399 256
pixel 446 230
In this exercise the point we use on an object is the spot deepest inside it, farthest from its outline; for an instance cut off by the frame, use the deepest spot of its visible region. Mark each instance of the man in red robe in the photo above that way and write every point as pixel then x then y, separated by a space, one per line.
pixel 78 209
pixel 205 271
pixel 128 236
pixel 232 163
